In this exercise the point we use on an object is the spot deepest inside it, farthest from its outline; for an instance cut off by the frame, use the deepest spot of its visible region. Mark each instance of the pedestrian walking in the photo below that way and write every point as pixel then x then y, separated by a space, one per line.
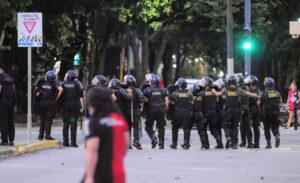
pixel 107 139
pixel 293 103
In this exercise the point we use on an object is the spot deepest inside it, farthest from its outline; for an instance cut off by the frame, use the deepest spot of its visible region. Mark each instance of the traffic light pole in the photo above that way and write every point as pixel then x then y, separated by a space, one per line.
pixel 230 61
pixel 247 30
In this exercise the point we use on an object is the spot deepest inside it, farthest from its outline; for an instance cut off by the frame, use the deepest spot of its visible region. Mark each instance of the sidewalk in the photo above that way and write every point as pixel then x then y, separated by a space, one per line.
pixel 23 147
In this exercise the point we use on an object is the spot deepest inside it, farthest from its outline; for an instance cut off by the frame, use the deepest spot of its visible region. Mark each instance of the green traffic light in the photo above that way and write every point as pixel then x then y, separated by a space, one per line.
pixel 247 46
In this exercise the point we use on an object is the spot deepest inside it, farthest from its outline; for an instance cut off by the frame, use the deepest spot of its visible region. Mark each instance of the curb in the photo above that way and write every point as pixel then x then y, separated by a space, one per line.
pixel 30 148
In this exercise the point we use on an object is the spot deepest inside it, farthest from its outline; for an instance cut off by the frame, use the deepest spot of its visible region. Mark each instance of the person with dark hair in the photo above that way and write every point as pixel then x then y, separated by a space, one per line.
pixel 7 105
pixel 107 139
pixel 73 105
pixel 293 103
pixel 270 99
pixel 47 93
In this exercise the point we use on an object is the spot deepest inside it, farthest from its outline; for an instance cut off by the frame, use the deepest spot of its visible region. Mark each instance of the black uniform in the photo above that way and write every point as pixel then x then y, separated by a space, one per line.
pixel 156 112
pixel 46 106
pixel 132 114
pixel 209 111
pixel 245 127
pixel 232 113
pixel 220 114
pixel 254 115
pixel 182 99
pixel 72 92
pixel 270 105
pixel 7 104
pixel 198 119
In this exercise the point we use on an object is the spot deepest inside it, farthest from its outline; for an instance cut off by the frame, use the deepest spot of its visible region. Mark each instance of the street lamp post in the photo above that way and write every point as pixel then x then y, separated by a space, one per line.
pixel 247 45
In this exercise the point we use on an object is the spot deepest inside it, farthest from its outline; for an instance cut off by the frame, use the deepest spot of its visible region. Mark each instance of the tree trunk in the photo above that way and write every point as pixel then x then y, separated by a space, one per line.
pixel 146 52
pixel 159 54
pixel 2 36
pixel 135 45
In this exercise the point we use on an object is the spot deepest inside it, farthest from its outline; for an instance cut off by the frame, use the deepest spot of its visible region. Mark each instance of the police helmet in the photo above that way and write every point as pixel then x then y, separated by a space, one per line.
pixel 148 77
pixel 220 83
pixel 251 80
pixel 114 83
pixel 269 83
pixel 71 75
pixel 208 81
pixel 232 80
pixel 181 83
pixel 197 89
pixel 50 76
pixel 240 78
pixel 99 80
pixel 130 80
pixel 155 80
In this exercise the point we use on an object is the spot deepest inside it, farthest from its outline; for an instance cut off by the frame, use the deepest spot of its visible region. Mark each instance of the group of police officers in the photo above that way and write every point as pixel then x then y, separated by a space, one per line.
pixel 230 105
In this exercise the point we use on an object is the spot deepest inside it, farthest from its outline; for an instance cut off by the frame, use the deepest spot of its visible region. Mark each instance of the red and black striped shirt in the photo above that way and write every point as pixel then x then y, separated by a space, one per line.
pixel 110 130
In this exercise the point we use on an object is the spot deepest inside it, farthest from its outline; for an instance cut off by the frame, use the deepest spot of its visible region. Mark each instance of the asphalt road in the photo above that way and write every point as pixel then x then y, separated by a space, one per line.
pixel 66 165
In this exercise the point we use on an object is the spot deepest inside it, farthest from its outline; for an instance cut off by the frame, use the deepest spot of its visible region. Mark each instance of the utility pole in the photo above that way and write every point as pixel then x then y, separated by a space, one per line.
pixel 247 29
pixel 230 61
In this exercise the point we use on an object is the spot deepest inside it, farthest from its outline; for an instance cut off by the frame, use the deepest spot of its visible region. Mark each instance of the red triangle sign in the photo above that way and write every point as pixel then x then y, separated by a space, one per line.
pixel 29 26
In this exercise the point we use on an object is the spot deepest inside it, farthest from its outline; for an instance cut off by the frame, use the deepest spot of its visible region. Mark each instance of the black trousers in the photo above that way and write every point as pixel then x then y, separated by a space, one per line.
pixel 231 124
pixel 254 116
pixel 157 115
pixel 7 126
pixel 47 112
pixel 135 125
pixel 198 120
pixel 245 127
pixel 220 121
pixel 211 121
pixel 271 123
pixel 70 117
pixel 181 119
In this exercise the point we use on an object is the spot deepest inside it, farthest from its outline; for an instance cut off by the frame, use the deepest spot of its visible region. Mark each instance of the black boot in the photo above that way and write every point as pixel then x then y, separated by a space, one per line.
pixel 250 146
pixel 154 142
pixel 256 146
pixel 228 144
pixel 234 146
pixel 41 137
pixel 49 138
pixel 161 144
pixel 269 146
pixel 219 144
pixel 277 141
pixel 137 145
pixel 173 146
pixel 186 145
pixel 243 144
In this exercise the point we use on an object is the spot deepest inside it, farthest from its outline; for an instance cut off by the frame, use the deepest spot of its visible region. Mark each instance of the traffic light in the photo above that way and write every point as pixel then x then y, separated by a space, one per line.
pixel 76 61
pixel 247 44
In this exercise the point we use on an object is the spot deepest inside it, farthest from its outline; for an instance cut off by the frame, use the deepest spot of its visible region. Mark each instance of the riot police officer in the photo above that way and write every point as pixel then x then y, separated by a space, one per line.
pixel 157 103
pixel 122 97
pixel 47 94
pixel 209 110
pixel 253 84
pixel 220 84
pixel 182 99
pixel 270 99
pixel 232 113
pixel 133 110
pixel 72 104
pixel 7 105
pixel 197 116
pixel 245 127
